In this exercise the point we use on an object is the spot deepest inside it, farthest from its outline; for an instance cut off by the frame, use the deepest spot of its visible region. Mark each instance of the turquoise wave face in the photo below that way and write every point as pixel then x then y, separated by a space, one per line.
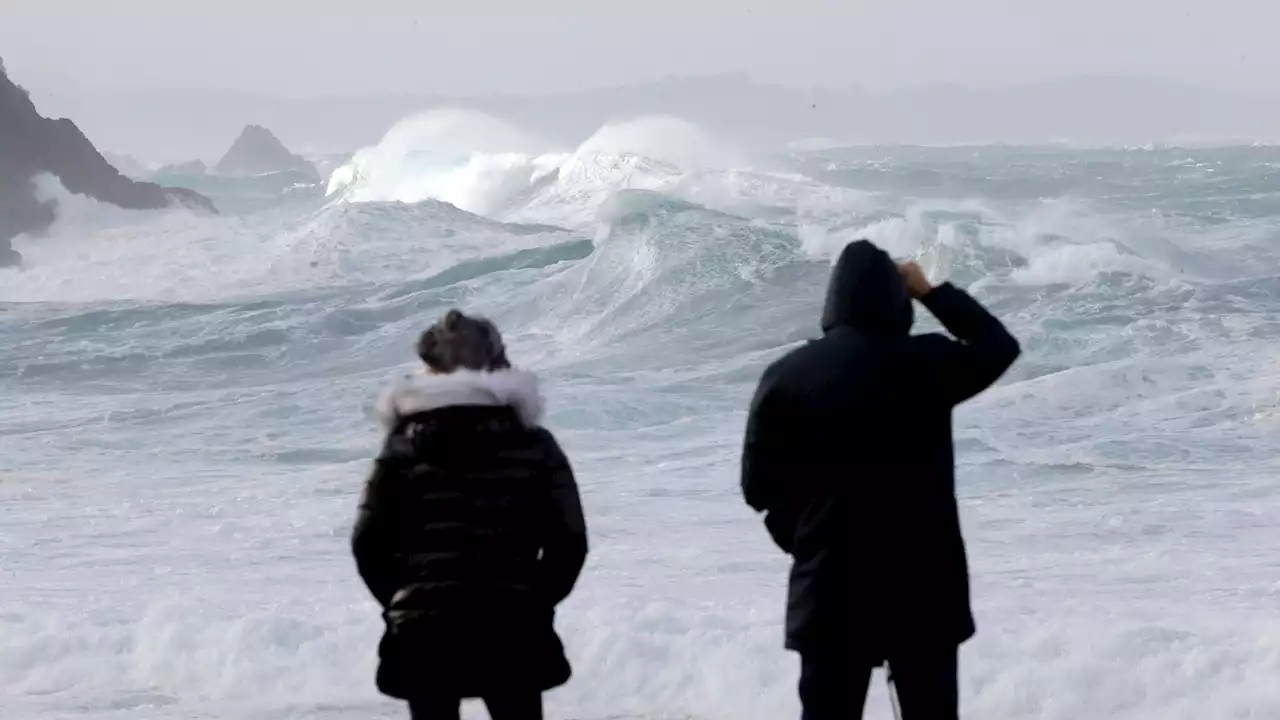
pixel 184 421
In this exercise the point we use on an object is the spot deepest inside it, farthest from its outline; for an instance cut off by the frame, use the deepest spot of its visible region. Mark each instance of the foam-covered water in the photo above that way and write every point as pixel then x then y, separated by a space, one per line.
pixel 184 417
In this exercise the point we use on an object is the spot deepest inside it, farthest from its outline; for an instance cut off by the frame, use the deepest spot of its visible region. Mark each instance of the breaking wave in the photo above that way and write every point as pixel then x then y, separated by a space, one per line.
pixel 192 391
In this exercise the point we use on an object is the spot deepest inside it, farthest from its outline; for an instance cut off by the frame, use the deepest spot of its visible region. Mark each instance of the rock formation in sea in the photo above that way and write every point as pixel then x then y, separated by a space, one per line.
pixel 32 145
pixel 258 152
pixel 128 165
pixel 191 167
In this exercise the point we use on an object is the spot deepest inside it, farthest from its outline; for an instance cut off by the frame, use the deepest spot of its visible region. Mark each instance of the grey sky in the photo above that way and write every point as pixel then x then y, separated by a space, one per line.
pixel 301 48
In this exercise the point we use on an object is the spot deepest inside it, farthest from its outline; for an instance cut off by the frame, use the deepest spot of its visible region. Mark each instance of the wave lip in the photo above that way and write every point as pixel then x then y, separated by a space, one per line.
pixel 488 167
pixel 468 159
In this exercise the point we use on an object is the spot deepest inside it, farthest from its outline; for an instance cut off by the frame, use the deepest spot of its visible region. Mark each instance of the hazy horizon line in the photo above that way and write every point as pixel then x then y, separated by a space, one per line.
pixel 71 84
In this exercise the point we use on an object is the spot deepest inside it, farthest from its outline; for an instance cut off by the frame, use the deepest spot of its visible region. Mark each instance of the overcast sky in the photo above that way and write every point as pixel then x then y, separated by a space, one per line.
pixel 312 47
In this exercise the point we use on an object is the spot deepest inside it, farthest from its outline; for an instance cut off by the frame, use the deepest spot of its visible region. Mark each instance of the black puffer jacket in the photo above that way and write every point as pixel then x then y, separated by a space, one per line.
pixel 470 532
pixel 849 453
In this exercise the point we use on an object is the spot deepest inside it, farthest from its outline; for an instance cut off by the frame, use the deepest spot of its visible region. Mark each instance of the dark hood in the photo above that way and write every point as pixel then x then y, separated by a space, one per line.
pixel 867 293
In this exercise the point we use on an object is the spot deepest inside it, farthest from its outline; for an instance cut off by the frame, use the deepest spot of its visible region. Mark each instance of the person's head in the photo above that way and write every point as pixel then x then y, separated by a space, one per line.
pixel 458 341
pixel 866 293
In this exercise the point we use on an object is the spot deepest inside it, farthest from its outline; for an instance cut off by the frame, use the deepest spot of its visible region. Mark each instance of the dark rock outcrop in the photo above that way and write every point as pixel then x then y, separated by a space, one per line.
pixel 191 167
pixel 258 152
pixel 31 144
pixel 126 164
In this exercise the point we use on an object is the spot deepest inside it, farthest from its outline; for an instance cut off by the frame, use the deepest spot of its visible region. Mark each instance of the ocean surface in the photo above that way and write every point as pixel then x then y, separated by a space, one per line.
pixel 185 417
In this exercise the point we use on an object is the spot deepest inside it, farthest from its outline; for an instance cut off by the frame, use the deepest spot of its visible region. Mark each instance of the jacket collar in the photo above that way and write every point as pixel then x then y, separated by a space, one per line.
pixel 422 392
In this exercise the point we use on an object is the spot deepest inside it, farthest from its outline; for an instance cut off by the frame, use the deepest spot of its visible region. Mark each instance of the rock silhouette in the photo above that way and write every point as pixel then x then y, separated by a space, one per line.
pixel 31 144
pixel 191 167
pixel 258 152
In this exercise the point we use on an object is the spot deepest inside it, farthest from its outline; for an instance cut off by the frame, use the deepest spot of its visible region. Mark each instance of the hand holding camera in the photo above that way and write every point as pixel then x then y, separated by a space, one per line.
pixel 917 284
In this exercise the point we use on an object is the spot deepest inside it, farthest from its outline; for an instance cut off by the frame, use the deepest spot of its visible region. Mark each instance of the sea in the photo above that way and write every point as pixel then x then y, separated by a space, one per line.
pixel 185 416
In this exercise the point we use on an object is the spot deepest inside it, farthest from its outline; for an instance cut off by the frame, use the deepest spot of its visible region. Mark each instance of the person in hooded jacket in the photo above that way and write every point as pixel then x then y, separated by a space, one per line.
pixel 470 532
pixel 848 453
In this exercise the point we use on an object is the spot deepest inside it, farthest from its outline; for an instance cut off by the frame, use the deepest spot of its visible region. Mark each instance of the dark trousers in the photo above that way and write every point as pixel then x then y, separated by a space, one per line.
pixel 523 706
pixel 833 686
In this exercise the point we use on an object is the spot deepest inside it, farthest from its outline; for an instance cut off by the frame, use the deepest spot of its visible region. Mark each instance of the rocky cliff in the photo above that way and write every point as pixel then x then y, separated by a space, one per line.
pixel 31 145
pixel 258 152
pixel 191 167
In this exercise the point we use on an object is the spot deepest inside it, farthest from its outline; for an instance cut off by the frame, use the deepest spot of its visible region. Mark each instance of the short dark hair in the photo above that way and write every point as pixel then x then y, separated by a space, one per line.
pixel 461 341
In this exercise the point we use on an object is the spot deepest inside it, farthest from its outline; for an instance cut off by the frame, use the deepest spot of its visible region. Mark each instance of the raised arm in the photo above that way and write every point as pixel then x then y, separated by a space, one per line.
pixel 982 351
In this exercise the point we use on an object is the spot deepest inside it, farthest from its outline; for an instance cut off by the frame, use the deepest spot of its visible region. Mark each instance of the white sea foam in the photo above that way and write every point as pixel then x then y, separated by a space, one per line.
pixel 184 425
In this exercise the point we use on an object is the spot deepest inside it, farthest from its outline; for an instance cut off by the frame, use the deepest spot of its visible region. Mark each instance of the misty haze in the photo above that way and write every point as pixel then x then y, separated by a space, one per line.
pixel 224 228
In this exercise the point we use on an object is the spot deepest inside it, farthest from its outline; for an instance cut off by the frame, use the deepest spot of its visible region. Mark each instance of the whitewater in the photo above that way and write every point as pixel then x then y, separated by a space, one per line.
pixel 185 416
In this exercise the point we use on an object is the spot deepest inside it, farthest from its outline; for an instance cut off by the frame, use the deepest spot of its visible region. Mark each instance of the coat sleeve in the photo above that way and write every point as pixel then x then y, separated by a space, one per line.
pixel 372 539
pixel 564 550
pixel 982 351
pixel 763 460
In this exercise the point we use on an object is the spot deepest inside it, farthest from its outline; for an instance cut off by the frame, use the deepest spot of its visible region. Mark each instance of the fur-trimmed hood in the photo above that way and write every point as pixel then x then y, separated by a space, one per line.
pixel 421 392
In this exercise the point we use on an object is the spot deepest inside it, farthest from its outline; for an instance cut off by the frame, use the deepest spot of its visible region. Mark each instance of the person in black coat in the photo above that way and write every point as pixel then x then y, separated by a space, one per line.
pixel 470 532
pixel 848 452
